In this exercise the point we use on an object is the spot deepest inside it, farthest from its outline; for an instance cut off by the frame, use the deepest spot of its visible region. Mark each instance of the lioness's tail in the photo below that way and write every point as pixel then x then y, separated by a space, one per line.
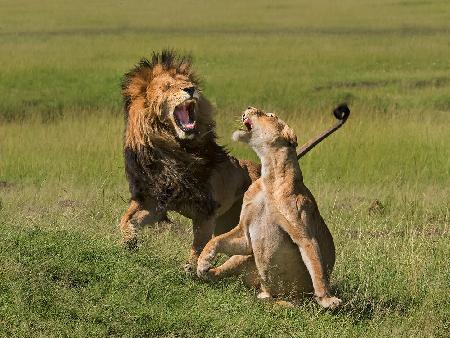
pixel 341 112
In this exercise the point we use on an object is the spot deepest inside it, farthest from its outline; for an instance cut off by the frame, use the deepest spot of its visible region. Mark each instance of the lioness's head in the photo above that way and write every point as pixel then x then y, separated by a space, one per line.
pixel 162 97
pixel 264 130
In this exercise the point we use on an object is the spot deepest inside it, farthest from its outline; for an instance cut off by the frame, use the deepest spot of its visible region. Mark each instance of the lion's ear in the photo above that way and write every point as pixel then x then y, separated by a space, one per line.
pixel 289 135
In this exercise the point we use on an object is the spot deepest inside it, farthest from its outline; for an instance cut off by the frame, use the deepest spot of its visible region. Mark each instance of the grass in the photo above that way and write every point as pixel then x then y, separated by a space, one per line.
pixel 380 56
pixel 63 271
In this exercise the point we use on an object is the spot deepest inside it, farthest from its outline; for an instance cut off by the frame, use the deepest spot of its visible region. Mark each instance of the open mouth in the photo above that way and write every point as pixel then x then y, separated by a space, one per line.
pixel 247 123
pixel 184 115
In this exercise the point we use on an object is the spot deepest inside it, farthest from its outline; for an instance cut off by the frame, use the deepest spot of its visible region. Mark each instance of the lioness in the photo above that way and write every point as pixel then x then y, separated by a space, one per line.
pixel 281 241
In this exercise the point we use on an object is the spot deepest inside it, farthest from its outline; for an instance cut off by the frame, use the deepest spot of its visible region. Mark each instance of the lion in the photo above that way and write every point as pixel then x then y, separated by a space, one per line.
pixel 281 243
pixel 172 159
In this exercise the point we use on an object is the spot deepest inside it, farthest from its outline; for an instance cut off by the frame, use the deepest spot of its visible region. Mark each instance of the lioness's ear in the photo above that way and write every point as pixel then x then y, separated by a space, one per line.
pixel 289 135
pixel 240 135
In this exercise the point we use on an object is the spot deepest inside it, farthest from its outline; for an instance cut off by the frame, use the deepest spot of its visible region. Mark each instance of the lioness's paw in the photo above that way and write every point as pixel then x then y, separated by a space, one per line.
pixel 240 135
pixel 329 302
pixel 203 266
pixel 264 295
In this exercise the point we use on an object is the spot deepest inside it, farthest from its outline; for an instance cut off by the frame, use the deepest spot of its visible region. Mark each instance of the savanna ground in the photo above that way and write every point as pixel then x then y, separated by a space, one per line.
pixel 382 182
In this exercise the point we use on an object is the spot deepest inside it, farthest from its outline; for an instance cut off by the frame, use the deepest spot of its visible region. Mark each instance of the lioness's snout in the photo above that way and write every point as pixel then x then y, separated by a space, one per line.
pixel 248 112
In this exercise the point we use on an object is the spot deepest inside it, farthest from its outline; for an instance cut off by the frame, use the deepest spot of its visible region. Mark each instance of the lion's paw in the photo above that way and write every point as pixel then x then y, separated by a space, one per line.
pixel 329 302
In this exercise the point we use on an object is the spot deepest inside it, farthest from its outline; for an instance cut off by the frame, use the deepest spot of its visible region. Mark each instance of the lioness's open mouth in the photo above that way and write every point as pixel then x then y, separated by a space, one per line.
pixel 184 115
pixel 248 123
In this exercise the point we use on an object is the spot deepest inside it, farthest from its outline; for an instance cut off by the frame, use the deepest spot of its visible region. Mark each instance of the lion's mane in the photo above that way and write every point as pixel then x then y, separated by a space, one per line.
pixel 171 171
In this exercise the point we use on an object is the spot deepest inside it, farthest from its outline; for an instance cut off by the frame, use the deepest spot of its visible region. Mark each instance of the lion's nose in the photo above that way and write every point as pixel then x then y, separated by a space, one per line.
pixel 190 91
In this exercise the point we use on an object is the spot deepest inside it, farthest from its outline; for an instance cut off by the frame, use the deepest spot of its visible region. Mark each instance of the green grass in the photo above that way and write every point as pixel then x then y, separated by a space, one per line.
pixel 381 56
pixel 63 271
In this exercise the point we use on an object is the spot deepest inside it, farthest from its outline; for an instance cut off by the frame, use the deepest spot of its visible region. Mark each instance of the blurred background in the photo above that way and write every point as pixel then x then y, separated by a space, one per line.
pixel 60 56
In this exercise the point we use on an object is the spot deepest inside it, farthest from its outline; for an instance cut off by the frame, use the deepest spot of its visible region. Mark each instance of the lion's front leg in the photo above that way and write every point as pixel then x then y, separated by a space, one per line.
pixel 203 230
pixel 137 215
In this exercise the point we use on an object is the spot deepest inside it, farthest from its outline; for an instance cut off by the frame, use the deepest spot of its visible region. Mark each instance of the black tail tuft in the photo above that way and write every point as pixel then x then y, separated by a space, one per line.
pixel 341 112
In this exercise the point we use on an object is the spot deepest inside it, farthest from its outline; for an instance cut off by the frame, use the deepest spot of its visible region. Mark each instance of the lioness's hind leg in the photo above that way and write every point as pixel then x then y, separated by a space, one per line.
pixel 330 302
pixel 264 294
pixel 134 218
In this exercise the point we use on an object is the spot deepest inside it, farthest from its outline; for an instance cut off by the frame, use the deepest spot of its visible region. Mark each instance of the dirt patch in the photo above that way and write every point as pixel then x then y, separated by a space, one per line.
pixel 437 82
pixel 5 185
pixel 428 231
pixel 431 231
pixel 355 84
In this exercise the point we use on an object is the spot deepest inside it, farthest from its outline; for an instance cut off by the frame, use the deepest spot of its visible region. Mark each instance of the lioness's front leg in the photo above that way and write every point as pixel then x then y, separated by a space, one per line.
pixel 231 243
pixel 236 264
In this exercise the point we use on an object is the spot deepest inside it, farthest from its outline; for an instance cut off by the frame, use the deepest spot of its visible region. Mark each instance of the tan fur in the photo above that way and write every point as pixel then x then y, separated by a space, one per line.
pixel 281 243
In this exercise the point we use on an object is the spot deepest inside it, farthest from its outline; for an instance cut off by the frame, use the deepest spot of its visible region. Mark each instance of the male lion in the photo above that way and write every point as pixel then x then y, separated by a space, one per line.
pixel 281 240
pixel 172 160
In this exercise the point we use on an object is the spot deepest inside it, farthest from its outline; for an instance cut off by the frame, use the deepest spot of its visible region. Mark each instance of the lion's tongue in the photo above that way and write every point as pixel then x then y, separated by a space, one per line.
pixel 182 114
